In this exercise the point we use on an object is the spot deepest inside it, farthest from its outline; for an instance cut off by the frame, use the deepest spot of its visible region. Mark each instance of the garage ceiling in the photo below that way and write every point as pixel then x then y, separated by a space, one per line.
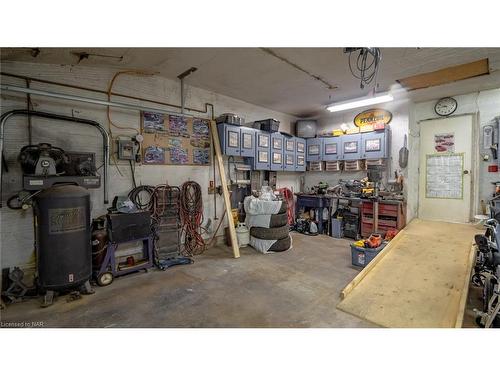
pixel 260 77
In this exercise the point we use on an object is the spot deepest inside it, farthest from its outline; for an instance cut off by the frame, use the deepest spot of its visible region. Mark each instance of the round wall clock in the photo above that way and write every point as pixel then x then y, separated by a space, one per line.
pixel 445 106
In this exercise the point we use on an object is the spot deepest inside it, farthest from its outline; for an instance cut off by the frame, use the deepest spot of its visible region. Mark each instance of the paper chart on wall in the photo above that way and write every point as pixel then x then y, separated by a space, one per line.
pixel 444 176
pixel 175 140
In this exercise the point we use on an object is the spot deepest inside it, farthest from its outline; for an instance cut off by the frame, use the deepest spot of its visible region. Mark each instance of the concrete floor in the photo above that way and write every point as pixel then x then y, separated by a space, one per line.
pixel 297 288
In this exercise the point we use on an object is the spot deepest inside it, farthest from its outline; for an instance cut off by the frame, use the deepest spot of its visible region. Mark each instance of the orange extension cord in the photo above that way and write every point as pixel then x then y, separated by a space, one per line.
pixel 288 197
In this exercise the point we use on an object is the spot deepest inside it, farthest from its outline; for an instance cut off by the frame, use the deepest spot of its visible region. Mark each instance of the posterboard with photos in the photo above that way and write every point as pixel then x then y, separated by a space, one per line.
pixel 175 139
pixel 444 176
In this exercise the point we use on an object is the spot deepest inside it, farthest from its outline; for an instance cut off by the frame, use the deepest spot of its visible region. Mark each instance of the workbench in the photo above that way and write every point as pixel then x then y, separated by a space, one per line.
pixel 391 215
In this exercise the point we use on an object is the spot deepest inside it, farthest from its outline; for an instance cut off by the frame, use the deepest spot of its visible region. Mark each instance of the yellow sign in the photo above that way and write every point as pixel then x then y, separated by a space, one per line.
pixel 352 131
pixel 373 117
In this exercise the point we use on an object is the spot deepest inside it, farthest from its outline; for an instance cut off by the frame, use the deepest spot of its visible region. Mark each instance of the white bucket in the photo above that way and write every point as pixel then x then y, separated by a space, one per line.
pixel 242 234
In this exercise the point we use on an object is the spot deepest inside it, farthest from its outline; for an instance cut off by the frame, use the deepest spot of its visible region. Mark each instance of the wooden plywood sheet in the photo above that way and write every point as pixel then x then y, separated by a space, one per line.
pixel 421 282
pixel 446 75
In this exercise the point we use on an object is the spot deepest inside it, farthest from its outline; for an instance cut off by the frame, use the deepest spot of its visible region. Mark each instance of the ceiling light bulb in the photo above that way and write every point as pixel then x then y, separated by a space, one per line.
pixel 363 102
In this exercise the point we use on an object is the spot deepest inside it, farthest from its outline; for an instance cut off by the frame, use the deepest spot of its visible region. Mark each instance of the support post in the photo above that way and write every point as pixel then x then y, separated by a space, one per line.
pixel 225 190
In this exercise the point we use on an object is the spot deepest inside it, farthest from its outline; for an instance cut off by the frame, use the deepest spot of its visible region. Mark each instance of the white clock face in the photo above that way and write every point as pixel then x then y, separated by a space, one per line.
pixel 445 106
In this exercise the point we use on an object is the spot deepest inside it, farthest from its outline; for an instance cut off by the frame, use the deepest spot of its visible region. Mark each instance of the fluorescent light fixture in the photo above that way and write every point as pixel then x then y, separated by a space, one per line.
pixel 363 102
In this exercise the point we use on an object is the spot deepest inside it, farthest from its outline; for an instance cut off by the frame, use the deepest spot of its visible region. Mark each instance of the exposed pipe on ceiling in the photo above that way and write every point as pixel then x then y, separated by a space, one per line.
pixel 83 99
pixel 181 77
pixel 33 79
pixel 22 112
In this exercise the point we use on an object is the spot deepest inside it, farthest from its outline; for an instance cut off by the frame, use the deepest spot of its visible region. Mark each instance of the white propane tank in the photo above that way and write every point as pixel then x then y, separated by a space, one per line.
pixel 242 234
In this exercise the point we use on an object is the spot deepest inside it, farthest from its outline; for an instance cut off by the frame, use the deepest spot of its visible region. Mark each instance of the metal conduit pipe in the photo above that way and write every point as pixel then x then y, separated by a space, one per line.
pixel 23 112
pixel 34 79
pixel 84 99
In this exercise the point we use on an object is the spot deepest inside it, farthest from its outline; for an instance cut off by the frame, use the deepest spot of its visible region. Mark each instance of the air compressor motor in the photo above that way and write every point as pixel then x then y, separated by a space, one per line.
pixel 44 166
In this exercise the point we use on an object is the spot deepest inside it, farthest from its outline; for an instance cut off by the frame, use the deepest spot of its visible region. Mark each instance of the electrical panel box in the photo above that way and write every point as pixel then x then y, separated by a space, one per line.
pixel 300 154
pixel 289 147
pixel 375 145
pixel 277 154
pixel 331 149
pixel 262 159
pixel 247 142
pixel 351 147
pixel 314 149
pixel 126 149
pixel 229 137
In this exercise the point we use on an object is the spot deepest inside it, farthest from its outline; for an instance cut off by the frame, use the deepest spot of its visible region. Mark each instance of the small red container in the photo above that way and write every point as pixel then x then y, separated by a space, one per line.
pixel 493 168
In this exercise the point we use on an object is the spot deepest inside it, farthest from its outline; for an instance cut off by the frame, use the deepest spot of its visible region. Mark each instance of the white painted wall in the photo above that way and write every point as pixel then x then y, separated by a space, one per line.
pixel 486 106
pixel 16 232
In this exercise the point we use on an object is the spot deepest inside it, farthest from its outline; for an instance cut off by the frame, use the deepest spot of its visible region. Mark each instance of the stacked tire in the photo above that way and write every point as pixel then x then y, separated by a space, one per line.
pixel 273 237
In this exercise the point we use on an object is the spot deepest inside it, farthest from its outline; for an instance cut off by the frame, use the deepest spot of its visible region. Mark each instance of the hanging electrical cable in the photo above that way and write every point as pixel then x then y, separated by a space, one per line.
pixel 191 211
pixel 111 124
pixel 367 64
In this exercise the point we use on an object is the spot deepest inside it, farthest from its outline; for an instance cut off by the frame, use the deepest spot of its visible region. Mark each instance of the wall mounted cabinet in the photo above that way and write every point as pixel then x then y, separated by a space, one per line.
pixel 314 150
pixel 247 142
pixel 332 149
pixel 300 154
pixel 375 145
pixel 277 154
pixel 262 160
pixel 230 139
pixel 351 146
pixel 263 150
pixel 289 148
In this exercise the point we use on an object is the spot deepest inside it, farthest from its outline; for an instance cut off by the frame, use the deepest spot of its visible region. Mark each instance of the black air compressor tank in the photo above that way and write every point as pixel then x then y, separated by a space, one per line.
pixel 62 237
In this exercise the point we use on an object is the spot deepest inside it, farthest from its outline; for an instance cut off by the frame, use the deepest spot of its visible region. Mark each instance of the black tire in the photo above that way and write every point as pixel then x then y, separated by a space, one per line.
pixel 278 220
pixel 487 292
pixel 281 245
pixel 277 233
pixel 283 208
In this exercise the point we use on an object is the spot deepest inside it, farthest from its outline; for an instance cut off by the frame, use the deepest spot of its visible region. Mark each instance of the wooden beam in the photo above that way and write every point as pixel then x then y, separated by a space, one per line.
pixel 465 289
pixel 446 75
pixel 225 190
pixel 360 276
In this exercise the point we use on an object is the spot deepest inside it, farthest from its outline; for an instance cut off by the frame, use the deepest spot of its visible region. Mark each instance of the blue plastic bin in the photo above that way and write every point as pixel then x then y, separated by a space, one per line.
pixel 362 256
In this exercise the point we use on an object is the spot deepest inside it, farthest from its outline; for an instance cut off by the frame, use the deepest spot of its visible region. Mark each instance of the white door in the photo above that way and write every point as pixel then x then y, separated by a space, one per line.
pixel 445 169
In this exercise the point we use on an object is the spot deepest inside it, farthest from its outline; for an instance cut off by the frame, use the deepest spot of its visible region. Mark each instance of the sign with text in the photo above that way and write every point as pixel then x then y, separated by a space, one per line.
pixel 375 117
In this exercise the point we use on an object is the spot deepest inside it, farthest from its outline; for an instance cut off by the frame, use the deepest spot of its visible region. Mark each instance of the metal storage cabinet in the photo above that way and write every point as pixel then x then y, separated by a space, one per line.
pixel 375 145
pixel 262 160
pixel 314 149
pixel 247 142
pixel 300 154
pixel 289 147
pixel 351 147
pixel 277 154
pixel 331 149
pixel 229 137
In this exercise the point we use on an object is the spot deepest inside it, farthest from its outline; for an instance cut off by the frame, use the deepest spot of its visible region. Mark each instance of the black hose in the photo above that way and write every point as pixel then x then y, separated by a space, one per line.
pixel 132 170
pixel 9 202
pixel 135 193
